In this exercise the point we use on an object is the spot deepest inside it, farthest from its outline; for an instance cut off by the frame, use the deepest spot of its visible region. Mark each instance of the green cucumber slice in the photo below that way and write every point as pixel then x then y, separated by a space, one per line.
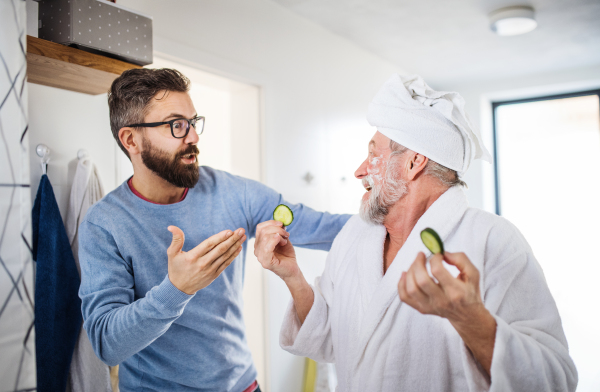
pixel 432 241
pixel 283 214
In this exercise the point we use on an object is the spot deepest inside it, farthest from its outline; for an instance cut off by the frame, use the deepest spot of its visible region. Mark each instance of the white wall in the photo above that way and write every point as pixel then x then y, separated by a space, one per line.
pixel 315 88
pixel 479 95
pixel 65 122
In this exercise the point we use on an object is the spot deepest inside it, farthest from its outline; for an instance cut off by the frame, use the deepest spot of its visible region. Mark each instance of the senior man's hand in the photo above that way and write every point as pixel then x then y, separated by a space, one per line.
pixel 276 253
pixel 456 299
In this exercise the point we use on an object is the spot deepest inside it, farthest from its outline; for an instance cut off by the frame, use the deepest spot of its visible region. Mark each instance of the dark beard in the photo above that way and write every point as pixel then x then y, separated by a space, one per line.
pixel 171 169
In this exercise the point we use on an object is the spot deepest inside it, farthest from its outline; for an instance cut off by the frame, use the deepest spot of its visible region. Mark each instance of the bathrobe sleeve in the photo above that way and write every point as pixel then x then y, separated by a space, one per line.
pixel 313 338
pixel 530 351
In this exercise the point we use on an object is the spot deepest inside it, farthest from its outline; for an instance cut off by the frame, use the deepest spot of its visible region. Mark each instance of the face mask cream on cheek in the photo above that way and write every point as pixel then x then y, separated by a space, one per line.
pixel 374 167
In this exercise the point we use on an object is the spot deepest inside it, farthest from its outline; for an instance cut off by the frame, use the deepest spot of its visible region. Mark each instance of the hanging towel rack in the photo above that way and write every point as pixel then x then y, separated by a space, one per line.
pixel 43 152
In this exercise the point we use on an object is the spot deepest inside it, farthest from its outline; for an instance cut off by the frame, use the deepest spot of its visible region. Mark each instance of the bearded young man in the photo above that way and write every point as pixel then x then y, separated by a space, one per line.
pixel 391 316
pixel 169 310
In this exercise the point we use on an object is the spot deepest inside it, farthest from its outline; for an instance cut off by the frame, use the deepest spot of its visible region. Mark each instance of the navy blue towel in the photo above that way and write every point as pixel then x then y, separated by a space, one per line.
pixel 57 305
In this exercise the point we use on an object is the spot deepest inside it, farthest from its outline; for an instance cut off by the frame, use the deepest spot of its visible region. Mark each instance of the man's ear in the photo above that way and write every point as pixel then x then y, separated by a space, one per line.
pixel 415 165
pixel 126 136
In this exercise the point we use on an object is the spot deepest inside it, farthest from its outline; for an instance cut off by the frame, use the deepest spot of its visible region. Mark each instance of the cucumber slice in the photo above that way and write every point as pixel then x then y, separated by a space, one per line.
pixel 283 214
pixel 432 241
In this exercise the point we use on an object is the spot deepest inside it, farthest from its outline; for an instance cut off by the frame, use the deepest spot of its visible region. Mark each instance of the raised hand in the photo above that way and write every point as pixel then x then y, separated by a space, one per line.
pixel 274 250
pixel 196 269
pixel 456 299
pixel 276 253
pixel 451 298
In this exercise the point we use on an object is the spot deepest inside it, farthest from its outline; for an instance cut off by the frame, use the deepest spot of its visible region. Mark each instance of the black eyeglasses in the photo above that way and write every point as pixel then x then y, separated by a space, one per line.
pixel 180 127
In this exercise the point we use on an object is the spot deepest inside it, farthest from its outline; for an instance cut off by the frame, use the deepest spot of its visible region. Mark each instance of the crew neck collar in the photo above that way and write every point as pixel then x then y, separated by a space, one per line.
pixel 138 194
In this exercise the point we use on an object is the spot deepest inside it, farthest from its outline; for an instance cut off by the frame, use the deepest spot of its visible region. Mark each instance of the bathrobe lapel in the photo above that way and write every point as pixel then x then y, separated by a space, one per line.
pixel 370 265
pixel 378 291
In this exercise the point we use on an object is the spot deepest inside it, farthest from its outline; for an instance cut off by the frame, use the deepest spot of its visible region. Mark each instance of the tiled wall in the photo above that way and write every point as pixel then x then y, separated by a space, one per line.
pixel 17 336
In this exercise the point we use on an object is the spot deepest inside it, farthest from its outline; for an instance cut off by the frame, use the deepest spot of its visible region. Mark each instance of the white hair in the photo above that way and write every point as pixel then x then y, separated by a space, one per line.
pixel 444 175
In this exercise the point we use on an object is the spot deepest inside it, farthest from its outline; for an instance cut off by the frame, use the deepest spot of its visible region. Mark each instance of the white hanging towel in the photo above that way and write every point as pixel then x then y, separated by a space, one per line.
pixel 86 190
pixel 87 372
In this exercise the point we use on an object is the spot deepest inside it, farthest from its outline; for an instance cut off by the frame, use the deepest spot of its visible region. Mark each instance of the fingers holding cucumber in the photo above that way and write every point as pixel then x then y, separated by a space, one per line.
pixel 272 247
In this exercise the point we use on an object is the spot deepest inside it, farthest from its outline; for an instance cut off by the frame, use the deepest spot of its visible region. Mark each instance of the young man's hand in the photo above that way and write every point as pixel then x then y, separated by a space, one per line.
pixel 194 270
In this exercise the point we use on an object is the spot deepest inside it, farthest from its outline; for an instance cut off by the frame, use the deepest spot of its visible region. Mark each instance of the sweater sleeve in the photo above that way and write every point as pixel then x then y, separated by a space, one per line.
pixel 119 326
pixel 310 229
pixel 530 350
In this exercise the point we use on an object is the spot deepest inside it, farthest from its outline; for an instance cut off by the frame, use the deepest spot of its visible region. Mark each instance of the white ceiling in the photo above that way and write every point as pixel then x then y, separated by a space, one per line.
pixel 448 41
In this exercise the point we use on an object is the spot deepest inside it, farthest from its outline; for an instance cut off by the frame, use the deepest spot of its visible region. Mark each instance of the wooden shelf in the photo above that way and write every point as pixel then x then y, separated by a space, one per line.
pixel 56 65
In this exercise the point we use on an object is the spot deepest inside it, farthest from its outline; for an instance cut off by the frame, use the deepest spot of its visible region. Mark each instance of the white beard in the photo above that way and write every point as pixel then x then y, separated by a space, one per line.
pixel 382 197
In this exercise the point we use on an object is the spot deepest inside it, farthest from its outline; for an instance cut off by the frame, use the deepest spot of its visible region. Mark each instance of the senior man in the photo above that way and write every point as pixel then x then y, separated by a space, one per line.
pixel 477 318
pixel 165 306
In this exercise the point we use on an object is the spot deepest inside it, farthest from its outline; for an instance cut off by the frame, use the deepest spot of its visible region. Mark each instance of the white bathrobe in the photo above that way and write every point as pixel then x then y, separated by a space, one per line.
pixel 380 344
pixel 87 373
pixel 86 190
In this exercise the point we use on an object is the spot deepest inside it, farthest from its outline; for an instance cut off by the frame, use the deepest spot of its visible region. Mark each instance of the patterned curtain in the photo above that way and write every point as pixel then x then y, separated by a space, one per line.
pixel 17 349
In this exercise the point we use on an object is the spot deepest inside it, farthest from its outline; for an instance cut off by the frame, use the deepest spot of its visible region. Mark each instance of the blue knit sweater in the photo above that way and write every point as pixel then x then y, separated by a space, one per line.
pixel 164 339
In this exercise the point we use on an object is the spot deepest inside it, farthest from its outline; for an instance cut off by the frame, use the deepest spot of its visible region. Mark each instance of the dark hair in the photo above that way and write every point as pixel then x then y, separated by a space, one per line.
pixel 131 93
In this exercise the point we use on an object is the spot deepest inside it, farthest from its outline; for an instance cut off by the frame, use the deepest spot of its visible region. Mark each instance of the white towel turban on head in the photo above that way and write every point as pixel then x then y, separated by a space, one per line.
pixel 432 123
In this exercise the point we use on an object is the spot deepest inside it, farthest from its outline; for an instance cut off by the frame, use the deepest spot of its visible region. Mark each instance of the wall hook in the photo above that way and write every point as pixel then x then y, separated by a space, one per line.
pixel 43 152
pixel 308 178
pixel 82 154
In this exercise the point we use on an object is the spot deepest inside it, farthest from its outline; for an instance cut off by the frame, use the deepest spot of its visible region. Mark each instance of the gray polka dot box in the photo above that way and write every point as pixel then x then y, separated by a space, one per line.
pixel 97 26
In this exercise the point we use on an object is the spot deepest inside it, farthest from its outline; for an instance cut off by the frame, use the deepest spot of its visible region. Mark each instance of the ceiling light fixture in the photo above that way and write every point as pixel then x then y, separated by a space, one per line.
pixel 513 20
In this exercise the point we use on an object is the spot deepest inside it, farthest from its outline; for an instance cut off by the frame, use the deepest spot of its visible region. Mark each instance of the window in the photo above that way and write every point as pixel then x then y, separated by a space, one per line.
pixel 547 155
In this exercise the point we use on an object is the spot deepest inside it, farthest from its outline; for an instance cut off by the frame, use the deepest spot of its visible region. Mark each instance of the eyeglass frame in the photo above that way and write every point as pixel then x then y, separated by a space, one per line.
pixel 171 122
